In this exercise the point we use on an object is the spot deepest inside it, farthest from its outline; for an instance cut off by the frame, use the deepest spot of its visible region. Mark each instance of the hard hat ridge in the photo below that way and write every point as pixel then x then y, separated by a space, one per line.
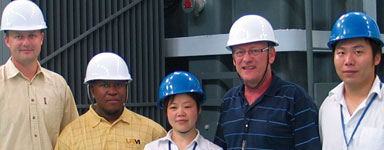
pixel 354 25
pixel 251 28
pixel 22 15
pixel 107 66
pixel 179 82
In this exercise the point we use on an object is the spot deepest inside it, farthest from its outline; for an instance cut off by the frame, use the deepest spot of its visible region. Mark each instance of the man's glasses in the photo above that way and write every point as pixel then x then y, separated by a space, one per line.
pixel 252 52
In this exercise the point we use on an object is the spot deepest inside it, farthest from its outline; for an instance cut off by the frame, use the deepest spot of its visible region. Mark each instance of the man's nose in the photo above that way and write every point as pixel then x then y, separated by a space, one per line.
pixel 349 59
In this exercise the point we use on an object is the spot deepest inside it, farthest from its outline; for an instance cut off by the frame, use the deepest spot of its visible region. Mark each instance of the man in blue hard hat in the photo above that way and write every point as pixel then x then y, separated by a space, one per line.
pixel 350 117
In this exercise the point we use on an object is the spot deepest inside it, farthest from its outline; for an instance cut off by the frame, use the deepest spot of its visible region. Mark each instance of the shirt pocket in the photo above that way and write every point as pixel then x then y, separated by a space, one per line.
pixel 52 110
pixel 371 138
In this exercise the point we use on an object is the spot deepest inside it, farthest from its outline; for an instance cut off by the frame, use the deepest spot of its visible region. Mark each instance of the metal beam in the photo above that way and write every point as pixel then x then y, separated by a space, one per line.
pixel 309 45
pixel 289 40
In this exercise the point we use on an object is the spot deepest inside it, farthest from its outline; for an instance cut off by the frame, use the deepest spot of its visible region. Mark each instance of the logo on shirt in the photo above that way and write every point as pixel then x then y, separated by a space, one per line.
pixel 132 141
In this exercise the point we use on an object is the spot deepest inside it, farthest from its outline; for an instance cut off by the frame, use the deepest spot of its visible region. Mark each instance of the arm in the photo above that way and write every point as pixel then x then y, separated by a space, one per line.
pixel 305 122
pixel 62 142
pixel 159 132
pixel 61 146
pixel 219 138
pixel 70 110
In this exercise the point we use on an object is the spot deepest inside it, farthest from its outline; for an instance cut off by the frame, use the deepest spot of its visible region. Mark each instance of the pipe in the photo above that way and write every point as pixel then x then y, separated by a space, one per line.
pixel 309 46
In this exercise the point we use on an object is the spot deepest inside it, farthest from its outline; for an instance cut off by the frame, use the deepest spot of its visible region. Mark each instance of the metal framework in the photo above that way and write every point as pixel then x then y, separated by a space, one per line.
pixel 79 29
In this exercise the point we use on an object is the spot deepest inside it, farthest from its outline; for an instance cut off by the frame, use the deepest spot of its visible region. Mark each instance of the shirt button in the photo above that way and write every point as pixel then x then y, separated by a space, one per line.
pixel 35 135
pixel 33 117
pixel 32 100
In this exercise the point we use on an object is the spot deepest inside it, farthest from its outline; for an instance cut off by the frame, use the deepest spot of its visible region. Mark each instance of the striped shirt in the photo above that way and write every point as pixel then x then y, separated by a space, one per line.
pixel 285 117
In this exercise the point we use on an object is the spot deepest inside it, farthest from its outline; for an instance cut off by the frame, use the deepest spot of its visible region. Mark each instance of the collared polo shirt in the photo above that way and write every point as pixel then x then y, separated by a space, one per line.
pixel 369 134
pixel 33 112
pixel 93 132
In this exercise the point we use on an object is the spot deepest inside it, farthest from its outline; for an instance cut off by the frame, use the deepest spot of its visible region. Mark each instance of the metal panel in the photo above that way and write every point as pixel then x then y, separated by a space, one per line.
pixel 79 29
pixel 380 14
pixel 4 52
pixel 321 91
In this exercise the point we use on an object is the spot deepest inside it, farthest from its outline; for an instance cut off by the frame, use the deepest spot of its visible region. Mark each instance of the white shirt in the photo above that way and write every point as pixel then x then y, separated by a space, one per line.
pixel 163 143
pixel 370 133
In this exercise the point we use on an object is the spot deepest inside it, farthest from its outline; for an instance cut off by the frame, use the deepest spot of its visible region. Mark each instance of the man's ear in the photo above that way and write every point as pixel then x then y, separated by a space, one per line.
pixel 377 59
pixel 272 55
pixel 234 62
pixel 92 91
pixel 42 38
pixel 6 40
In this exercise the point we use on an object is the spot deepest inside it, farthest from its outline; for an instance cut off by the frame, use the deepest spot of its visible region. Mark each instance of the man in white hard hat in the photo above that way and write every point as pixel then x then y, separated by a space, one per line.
pixel 35 103
pixel 265 112
pixel 108 124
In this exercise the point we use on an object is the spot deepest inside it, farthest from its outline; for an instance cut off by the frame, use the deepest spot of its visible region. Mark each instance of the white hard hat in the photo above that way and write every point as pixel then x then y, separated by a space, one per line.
pixel 250 28
pixel 22 15
pixel 107 66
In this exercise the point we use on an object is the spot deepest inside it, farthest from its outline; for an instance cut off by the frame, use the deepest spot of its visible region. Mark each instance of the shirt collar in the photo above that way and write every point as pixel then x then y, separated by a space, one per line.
pixel 198 139
pixel 271 90
pixel 376 88
pixel 339 90
pixel 275 85
pixel 12 71
pixel 96 119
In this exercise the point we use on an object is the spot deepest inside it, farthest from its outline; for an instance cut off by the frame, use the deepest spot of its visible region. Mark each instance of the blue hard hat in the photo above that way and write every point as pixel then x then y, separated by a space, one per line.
pixel 354 25
pixel 178 82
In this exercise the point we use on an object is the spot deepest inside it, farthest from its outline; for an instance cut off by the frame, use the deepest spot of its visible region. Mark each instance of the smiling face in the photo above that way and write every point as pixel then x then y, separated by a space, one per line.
pixel 110 96
pixel 25 46
pixel 182 112
pixel 251 68
pixel 354 61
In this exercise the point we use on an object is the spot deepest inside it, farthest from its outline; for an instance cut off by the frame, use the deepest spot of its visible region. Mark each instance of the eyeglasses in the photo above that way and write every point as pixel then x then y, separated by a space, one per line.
pixel 252 52
pixel 107 85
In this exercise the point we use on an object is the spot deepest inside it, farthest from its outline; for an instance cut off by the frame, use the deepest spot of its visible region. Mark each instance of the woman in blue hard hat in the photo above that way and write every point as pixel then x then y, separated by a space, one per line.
pixel 351 116
pixel 180 97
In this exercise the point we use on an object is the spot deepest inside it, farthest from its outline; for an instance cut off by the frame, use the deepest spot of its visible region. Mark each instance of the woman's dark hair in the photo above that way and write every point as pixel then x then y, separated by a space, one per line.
pixel 197 97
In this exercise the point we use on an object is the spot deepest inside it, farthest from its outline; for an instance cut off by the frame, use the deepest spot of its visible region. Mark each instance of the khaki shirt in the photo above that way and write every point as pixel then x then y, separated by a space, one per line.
pixel 130 131
pixel 32 113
